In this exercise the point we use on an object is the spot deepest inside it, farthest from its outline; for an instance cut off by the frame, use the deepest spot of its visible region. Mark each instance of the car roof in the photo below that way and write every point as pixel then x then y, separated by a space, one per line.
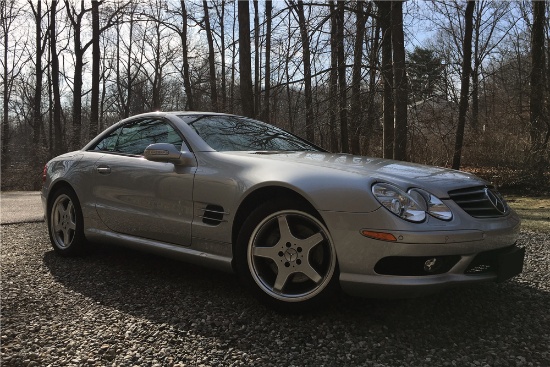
pixel 180 113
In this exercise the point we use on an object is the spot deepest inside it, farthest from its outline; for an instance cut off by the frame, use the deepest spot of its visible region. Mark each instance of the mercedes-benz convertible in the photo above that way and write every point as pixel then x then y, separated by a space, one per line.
pixel 293 221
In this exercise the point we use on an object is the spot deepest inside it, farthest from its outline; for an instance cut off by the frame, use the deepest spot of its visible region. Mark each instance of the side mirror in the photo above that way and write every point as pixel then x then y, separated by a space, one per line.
pixel 168 153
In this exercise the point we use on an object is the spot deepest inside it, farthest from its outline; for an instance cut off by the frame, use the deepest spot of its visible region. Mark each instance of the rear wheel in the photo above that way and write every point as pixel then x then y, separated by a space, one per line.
pixel 66 224
pixel 286 255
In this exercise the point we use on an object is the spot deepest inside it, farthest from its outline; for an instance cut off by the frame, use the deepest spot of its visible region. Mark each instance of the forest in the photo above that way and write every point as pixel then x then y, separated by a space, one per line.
pixel 459 84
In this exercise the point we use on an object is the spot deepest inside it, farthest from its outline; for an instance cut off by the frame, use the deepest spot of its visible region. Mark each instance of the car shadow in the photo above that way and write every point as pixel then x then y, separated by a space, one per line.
pixel 180 295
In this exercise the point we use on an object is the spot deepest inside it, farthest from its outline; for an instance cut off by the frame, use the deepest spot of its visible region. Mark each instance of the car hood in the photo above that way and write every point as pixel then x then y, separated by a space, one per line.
pixel 439 181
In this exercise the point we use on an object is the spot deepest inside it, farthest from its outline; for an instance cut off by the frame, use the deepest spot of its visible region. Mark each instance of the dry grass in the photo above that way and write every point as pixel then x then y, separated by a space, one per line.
pixel 533 211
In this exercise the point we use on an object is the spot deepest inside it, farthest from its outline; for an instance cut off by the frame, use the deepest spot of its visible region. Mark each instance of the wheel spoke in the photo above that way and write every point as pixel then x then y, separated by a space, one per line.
pixel 284 229
pixel 66 237
pixel 57 218
pixel 58 227
pixel 282 277
pixel 267 252
pixel 70 210
pixel 311 273
pixel 312 241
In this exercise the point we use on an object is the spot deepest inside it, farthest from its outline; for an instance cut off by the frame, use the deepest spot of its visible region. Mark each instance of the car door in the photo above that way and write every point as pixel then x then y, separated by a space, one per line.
pixel 142 198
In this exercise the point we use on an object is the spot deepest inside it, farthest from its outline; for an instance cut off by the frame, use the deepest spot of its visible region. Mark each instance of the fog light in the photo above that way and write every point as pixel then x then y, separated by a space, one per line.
pixel 431 265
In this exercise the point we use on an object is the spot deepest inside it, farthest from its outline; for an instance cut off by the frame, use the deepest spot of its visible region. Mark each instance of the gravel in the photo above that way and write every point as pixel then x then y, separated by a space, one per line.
pixel 117 307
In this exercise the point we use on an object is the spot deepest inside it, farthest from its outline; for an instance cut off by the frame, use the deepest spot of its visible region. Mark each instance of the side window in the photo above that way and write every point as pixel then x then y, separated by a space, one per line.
pixel 134 137
pixel 108 143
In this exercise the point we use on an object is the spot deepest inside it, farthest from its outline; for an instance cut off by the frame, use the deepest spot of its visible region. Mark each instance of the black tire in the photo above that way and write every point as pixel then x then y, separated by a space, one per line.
pixel 292 270
pixel 66 223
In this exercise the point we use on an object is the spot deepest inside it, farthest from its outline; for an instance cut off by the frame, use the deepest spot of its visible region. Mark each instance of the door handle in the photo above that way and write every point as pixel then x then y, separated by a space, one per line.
pixel 104 170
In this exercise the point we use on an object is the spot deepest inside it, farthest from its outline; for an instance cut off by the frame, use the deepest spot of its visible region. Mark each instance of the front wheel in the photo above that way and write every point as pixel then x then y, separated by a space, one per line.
pixel 286 255
pixel 66 223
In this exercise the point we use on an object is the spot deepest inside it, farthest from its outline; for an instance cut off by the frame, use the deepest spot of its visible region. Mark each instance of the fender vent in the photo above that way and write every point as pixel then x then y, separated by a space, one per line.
pixel 213 215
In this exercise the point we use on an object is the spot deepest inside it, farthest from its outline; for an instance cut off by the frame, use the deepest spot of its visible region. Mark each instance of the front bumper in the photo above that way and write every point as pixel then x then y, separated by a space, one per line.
pixel 473 255
pixel 387 286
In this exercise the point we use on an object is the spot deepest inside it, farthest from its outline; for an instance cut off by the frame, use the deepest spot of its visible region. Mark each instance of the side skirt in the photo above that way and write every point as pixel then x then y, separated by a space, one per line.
pixel 185 254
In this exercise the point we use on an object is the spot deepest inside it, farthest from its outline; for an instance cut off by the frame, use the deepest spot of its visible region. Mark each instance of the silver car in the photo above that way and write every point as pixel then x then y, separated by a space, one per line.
pixel 296 223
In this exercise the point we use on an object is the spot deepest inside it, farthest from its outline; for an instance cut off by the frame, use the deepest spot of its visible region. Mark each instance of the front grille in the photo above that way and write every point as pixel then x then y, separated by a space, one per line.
pixel 480 201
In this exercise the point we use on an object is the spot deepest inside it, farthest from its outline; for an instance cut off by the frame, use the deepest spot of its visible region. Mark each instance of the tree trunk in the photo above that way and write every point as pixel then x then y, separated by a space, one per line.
pixel 257 56
pixel 333 79
pixel 5 95
pixel 267 113
pixel 373 62
pixel 50 102
pixel 384 9
pixel 357 111
pixel 344 135
pixel 129 78
pixel 465 83
pixel 287 86
pixel 539 125
pixel 310 128
pixel 400 82
pixel 245 67
pixel 78 70
pixel 475 74
pixel 57 133
pixel 37 100
pixel 185 51
pixel 233 57
pixel 211 64
pixel 222 39
pixel 96 60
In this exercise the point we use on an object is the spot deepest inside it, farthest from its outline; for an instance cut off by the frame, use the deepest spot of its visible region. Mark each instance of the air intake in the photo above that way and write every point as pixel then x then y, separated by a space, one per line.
pixel 213 215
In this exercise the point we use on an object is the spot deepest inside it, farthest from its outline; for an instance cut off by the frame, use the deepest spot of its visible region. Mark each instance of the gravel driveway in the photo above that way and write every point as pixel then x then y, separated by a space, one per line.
pixel 122 308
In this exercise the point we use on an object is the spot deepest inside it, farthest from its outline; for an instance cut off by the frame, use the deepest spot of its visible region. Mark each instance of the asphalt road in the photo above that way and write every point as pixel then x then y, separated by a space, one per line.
pixel 20 207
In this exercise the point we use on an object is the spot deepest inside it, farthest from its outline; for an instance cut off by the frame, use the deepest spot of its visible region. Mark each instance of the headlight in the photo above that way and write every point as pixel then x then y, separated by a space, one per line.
pixel 432 204
pixel 399 202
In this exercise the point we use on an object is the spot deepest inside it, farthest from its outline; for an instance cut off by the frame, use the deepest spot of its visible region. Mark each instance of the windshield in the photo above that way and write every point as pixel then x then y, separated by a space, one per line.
pixel 233 133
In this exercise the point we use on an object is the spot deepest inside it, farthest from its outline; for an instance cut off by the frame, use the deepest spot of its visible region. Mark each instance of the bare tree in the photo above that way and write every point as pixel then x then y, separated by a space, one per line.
pixel 54 57
pixel 539 123
pixel 211 58
pixel 182 32
pixel 400 82
pixel 333 77
pixel 465 83
pixel 488 33
pixel 12 66
pixel 245 68
pixel 384 14
pixel 40 44
pixel 76 22
pixel 76 18
pixel 298 8
pixel 221 16
pixel 356 117
pixel 342 84
pixel 128 68
pixel 373 72
pixel 96 61
pixel 257 57
pixel 159 53
pixel 266 116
